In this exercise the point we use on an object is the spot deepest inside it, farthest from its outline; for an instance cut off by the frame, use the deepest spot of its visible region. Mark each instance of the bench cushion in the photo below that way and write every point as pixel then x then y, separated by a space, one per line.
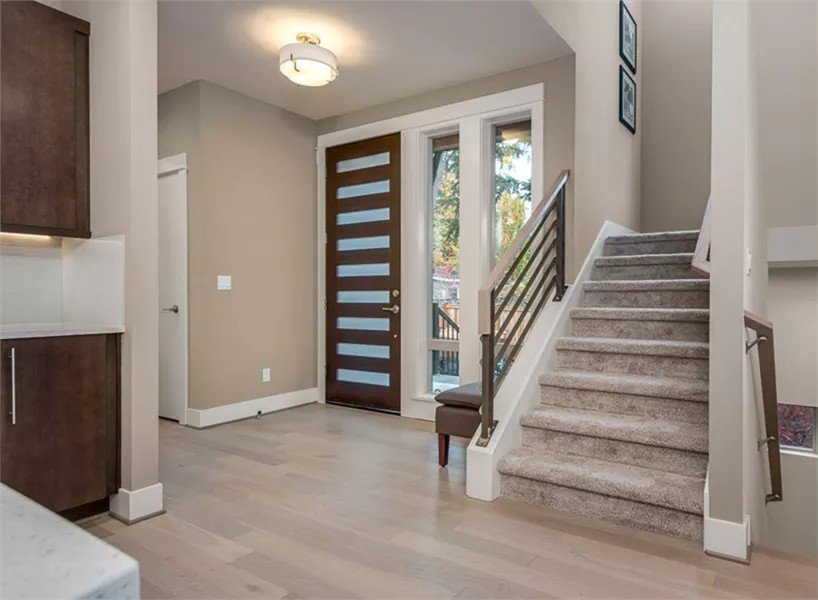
pixel 465 396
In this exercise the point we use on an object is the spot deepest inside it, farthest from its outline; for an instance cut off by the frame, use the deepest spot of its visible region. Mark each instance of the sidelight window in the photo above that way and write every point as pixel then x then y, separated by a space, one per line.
pixel 445 263
pixel 512 182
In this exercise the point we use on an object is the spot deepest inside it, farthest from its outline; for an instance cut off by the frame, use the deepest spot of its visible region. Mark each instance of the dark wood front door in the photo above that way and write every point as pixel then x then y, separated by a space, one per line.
pixel 363 273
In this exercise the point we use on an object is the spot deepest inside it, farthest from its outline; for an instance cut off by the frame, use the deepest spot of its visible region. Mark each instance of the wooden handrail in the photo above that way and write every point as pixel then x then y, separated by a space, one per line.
pixel 766 360
pixel 510 254
pixel 701 255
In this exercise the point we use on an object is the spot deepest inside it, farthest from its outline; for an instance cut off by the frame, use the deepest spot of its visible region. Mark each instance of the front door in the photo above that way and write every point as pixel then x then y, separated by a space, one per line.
pixel 363 274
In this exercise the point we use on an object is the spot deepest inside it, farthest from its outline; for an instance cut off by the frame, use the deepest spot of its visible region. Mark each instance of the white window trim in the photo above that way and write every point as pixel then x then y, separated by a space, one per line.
pixel 473 118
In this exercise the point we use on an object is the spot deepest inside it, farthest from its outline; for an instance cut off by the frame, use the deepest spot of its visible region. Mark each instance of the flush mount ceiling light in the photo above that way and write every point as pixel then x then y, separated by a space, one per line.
pixel 307 63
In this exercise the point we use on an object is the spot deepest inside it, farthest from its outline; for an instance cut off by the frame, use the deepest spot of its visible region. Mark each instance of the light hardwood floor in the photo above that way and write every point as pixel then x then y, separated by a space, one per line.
pixel 326 502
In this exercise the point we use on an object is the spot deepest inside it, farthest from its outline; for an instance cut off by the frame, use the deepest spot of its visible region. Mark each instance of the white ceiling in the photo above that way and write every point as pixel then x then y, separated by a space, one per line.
pixel 387 50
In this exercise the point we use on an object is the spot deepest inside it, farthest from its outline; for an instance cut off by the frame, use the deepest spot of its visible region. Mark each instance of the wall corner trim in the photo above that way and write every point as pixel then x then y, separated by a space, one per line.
pixel 199 419
pixel 130 506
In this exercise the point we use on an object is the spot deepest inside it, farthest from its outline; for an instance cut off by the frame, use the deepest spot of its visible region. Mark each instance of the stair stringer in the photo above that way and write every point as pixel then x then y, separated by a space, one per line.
pixel 521 389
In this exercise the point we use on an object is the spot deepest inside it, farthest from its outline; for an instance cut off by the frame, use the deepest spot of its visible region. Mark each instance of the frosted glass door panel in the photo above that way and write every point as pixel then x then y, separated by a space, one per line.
pixel 363 162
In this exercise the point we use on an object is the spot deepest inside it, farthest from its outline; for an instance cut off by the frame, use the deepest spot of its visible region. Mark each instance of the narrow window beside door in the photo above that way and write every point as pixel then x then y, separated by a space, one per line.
pixel 445 259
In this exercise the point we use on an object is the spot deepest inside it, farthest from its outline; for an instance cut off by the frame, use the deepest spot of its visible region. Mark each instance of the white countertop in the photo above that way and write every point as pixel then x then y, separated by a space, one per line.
pixel 13 331
pixel 44 556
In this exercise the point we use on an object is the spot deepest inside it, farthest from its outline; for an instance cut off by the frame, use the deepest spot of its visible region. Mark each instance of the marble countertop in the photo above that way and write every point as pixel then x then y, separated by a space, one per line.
pixel 15 331
pixel 43 555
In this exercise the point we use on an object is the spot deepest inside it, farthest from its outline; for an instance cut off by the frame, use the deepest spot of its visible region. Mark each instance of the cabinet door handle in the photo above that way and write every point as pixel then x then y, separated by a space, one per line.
pixel 13 412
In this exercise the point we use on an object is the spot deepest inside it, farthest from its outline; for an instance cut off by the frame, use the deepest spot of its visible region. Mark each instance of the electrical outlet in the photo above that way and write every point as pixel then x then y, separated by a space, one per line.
pixel 265 375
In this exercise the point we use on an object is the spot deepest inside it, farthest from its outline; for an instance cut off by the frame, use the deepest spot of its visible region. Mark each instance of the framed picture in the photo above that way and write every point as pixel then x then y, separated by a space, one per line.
pixel 627 100
pixel 627 37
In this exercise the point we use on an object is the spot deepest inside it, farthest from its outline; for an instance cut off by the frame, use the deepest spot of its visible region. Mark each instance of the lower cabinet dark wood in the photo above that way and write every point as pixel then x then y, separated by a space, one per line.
pixel 59 420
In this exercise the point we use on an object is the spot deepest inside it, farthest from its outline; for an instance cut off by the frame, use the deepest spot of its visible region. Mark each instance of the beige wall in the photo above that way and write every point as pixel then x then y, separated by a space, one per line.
pixel 786 42
pixel 787 160
pixel 251 215
pixel 676 62
pixel 124 201
pixel 606 155
pixel 792 298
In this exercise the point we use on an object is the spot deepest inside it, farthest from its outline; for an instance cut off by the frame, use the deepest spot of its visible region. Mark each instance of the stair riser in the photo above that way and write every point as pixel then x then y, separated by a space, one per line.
pixel 625 512
pixel 663 247
pixel 634 364
pixel 683 411
pixel 688 331
pixel 693 464
pixel 642 272
pixel 662 299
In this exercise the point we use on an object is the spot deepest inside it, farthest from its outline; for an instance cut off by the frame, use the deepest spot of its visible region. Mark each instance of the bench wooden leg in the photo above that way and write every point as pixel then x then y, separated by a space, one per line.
pixel 442 449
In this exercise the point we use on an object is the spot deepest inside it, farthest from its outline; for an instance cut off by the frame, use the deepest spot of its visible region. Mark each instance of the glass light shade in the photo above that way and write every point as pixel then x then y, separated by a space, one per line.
pixel 308 64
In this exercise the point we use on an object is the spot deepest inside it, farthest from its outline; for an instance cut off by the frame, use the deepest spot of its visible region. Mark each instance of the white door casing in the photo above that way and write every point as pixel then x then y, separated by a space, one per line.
pixel 173 289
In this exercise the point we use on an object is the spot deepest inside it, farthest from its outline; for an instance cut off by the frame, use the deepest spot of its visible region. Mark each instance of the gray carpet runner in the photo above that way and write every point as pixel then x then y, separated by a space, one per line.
pixel 622 434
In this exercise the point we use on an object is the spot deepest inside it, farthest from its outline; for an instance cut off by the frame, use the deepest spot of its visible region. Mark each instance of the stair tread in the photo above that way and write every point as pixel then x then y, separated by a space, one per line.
pixel 660 236
pixel 622 427
pixel 644 259
pixel 644 285
pixel 695 390
pixel 619 480
pixel 642 314
pixel 673 348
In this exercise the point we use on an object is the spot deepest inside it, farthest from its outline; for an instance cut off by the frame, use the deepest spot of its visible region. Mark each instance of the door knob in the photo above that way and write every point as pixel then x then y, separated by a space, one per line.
pixel 173 309
pixel 394 309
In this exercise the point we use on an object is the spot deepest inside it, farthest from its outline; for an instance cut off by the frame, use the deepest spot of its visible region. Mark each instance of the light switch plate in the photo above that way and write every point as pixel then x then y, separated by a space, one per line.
pixel 265 375
pixel 224 282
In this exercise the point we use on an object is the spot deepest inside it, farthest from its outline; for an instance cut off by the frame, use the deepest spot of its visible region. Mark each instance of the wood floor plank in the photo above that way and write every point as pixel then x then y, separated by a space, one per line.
pixel 322 502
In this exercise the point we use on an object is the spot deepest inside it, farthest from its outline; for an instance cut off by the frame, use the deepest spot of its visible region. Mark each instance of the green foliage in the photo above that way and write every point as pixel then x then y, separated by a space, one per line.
pixel 512 201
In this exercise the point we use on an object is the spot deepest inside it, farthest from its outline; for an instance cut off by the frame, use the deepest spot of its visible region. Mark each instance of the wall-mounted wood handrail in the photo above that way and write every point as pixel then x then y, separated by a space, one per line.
pixel 766 360
pixel 701 255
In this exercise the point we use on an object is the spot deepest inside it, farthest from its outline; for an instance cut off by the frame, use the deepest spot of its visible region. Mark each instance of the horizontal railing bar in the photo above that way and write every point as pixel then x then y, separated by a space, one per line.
pixel 519 257
pixel 524 292
pixel 521 276
pixel 484 315
pixel 508 339
pixel 515 348
pixel 517 324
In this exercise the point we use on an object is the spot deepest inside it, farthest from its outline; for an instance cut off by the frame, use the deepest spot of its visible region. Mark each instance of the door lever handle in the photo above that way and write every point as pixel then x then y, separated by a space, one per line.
pixel 394 309
pixel 173 309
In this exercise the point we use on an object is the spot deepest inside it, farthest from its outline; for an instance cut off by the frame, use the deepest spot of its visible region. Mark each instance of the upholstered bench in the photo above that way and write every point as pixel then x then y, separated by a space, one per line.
pixel 458 415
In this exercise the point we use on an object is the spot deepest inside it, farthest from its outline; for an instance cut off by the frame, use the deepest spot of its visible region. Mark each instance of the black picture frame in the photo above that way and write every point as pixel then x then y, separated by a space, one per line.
pixel 625 81
pixel 626 18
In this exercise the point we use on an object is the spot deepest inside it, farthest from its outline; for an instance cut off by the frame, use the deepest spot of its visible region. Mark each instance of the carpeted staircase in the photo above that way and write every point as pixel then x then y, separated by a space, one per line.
pixel 621 433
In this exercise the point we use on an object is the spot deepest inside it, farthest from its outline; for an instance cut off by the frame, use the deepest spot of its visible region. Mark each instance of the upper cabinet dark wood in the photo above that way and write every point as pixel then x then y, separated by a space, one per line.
pixel 44 168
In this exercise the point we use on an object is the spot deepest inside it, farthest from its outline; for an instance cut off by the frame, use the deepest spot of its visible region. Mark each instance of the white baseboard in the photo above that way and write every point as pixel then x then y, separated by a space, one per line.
pixel 725 539
pixel 131 506
pixel 250 408
pixel 421 407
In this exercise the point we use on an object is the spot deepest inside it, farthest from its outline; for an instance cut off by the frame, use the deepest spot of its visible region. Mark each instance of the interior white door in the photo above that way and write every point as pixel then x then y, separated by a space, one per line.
pixel 173 315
